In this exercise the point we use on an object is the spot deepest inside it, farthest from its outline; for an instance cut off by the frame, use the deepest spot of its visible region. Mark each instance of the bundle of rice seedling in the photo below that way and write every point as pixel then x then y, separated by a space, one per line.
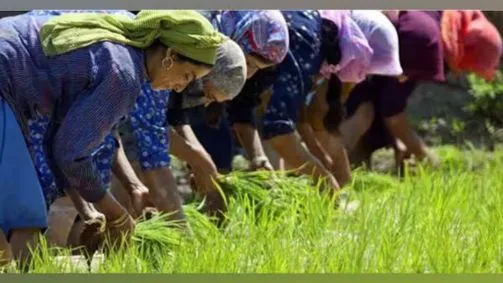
pixel 272 192
pixel 267 194
pixel 155 236
pixel 159 235
pixel 254 184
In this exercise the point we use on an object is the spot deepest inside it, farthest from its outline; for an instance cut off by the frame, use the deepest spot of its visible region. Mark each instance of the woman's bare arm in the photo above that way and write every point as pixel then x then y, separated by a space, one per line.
pixel 290 148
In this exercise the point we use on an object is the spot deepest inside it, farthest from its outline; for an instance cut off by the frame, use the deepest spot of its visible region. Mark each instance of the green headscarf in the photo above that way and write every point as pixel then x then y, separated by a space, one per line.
pixel 186 31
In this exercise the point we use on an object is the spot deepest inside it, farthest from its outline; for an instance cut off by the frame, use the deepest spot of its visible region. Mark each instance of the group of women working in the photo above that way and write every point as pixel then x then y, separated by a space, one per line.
pixel 94 102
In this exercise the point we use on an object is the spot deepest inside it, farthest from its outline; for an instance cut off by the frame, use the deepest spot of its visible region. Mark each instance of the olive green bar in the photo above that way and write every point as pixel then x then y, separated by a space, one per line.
pixel 253 278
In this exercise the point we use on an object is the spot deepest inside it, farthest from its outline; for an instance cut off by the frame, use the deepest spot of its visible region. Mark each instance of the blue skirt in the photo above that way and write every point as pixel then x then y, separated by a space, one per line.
pixel 22 201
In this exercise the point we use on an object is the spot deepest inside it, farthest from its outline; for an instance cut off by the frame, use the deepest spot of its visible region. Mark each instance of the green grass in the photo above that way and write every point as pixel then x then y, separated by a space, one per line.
pixel 447 220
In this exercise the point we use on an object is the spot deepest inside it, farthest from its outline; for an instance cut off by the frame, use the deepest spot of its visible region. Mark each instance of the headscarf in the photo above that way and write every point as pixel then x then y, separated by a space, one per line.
pixel 355 50
pixel 471 42
pixel 383 39
pixel 263 32
pixel 420 44
pixel 186 31
pixel 228 75
pixel 229 72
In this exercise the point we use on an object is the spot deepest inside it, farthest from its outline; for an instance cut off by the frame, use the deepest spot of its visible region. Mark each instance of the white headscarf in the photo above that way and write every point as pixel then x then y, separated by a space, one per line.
pixel 383 39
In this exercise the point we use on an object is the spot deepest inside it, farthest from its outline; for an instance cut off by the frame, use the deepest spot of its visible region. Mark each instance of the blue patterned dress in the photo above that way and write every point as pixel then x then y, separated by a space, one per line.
pixel 294 74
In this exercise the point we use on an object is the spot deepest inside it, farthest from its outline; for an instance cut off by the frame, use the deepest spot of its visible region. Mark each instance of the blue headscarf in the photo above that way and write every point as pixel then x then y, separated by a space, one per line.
pixel 263 32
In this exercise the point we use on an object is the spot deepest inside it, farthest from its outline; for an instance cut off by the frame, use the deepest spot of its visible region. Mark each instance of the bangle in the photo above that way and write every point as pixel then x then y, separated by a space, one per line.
pixel 119 221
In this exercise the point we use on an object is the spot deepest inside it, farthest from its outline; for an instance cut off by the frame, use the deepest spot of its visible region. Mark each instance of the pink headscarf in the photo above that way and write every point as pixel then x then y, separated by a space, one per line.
pixel 355 50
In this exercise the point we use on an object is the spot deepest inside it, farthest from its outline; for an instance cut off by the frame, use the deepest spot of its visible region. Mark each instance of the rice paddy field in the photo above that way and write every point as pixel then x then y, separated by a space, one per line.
pixel 443 220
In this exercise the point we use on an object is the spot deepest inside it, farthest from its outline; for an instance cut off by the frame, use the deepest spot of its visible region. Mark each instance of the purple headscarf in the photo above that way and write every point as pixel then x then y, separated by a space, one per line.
pixel 263 32
pixel 421 49
pixel 355 50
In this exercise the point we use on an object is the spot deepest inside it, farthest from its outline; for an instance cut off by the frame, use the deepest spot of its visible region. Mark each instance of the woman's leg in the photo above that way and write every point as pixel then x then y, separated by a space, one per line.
pixel 5 250
pixel 333 144
pixel 23 241
pixel 399 126
pixel 361 156
pixel 61 219
pixel 392 104
pixel 360 112
pixel 355 127
pixel 324 115
pixel 329 149
pixel 401 155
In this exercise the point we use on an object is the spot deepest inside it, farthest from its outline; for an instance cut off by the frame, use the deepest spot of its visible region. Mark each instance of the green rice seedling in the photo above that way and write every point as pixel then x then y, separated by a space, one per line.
pixel 440 220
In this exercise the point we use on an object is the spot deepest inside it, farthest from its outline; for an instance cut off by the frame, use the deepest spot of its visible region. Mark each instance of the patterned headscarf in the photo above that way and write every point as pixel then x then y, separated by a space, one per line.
pixel 263 32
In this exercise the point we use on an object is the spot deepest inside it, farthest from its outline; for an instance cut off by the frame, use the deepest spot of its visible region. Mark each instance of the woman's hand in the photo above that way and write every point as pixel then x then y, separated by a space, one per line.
pixel 260 163
pixel 250 140
pixel 140 198
pixel 202 181
pixel 124 170
pixel 92 235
